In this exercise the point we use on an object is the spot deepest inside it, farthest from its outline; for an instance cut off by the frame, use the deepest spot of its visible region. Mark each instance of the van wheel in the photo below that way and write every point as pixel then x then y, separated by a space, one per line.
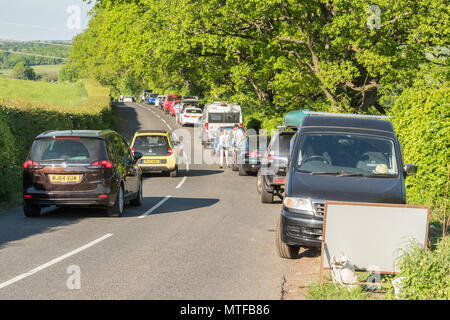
pixel 31 211
pixel 242 172
pixel 117 209
pixel 266 196
pixel 284 250
pixel 137 202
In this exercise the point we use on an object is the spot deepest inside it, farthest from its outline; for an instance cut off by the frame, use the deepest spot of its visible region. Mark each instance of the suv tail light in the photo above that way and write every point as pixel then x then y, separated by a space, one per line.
pixel 207 126
pixel 241 125
pixel 29 164
pixel 271 154
pixel 169 151
pixel 252 154
pixel 102 163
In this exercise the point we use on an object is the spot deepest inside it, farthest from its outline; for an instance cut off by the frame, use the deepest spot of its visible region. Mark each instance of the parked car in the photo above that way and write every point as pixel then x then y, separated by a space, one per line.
pixel 128 99
pixel 271 177
pixel 157 149
pixel 191 116
pixel 157 102
pixel 151 98
pixel 219 114
pixel 170 100
pixel 81 168
pixel 249 154
pixel 337 157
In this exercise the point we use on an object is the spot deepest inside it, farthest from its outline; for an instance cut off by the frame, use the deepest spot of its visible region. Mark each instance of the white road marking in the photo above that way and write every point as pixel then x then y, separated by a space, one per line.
pixel 181 183
pixel 54 261
pixel 156 206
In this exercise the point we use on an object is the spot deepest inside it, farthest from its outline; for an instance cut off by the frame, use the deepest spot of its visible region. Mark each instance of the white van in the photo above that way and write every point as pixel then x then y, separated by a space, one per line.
pixel 219 114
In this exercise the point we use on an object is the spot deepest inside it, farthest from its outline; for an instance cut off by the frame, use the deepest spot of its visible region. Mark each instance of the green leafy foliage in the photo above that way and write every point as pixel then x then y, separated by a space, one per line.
pixel 425 274
pixel 280 53
pixel 421 118
pixel 24 72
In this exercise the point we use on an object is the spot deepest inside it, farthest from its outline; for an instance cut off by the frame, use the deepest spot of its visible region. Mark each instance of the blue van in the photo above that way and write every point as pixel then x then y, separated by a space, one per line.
pixel 337 157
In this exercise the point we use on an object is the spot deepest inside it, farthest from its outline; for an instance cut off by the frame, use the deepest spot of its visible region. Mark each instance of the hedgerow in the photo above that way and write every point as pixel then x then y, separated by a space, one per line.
pixel 421 118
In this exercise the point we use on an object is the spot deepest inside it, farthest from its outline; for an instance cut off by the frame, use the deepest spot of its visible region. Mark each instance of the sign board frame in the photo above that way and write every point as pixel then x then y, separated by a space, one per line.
pixel 347 203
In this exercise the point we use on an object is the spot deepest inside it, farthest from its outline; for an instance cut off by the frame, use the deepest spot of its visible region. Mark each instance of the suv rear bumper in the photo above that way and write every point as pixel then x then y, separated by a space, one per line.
pixel 299 230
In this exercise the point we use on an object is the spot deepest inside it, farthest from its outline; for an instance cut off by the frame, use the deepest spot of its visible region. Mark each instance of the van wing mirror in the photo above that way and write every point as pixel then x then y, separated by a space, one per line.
pixel 410 169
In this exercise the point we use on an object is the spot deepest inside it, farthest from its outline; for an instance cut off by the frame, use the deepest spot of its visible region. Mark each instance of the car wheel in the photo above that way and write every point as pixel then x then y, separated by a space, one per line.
pixel 174 173
pixel 284 250
pixel 259 181
pixel 137 202
pixel 117 209
pixel 31 211
pixel 242 172
pixel 266 196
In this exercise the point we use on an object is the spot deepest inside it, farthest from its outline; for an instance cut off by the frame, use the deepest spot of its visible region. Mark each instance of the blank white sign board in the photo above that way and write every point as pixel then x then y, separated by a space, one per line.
pixel 371 235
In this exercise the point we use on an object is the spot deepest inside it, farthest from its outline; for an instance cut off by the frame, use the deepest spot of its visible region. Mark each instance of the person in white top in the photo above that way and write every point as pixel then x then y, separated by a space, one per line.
pixel 224 144
pixel 238 136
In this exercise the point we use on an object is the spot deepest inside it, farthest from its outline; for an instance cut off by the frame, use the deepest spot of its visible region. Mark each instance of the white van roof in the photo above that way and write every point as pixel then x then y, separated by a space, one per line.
pixel 222 106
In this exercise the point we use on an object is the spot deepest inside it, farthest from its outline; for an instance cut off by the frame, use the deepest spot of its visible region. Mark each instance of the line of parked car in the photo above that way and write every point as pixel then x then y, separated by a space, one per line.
pixel 315 157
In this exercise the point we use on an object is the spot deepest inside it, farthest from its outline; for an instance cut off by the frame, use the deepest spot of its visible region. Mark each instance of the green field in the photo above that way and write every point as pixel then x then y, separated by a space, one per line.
pixel 51 70
pixel 69 95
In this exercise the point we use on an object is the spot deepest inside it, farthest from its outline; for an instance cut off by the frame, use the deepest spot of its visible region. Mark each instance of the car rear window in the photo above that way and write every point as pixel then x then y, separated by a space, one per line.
pixel 81 150
pixel 193 111
pixel 173 98
pixel 230 117
pixel 151 145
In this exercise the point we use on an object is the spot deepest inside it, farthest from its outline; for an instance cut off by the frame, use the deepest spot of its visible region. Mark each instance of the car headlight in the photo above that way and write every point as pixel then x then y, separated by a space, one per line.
pixel 298 203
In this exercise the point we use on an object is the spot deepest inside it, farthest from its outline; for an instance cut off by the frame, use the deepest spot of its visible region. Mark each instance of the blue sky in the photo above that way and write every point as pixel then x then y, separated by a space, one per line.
pixel 42 19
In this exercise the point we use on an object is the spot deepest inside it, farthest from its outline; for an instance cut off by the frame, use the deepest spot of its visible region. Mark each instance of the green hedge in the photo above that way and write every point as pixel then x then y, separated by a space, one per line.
pixel 20 124
pixel 422 123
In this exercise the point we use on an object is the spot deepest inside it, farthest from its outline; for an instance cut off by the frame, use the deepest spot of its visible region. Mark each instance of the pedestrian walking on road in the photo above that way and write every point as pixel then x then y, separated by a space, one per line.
pixel 224 144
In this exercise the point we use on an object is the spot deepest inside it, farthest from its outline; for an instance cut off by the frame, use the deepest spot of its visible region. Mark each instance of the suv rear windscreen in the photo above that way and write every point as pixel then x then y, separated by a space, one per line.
pixel 151 145
pixel 229 117
pixel 173 98
pixel 281 144
pixel 75 150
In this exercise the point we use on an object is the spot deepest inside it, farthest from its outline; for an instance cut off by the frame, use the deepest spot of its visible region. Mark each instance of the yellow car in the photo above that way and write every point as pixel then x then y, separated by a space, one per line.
pixel 158 151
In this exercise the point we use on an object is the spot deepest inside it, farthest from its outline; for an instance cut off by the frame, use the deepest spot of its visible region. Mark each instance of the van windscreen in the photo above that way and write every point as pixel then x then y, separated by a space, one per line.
pixel 77 150
pixel 346 155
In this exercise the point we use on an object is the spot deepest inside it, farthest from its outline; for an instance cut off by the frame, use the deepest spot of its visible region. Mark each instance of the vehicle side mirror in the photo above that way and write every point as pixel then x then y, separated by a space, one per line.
pixel 137 155
pixel 410 169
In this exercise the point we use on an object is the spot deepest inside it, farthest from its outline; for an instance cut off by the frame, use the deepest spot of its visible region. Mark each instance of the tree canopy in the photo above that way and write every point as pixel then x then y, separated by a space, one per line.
pixel 276 53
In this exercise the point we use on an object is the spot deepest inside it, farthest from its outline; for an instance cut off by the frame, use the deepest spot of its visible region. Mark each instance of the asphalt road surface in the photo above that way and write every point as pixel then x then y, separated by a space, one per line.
pixel 201 235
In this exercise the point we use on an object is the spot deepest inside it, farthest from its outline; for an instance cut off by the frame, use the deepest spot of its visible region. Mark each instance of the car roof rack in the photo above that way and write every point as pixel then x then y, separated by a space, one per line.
pixel 345 115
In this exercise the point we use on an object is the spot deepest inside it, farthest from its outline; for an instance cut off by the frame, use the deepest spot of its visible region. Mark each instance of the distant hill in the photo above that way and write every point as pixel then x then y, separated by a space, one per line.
pixel 33 52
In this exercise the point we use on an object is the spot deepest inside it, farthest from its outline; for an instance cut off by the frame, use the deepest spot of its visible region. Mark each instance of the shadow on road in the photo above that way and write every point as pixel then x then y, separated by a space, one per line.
pixel 173 205
pixel 15 226
pixel 129 123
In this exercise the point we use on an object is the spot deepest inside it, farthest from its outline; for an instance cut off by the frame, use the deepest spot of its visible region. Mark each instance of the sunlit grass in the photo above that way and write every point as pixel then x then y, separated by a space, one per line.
pixel 64 95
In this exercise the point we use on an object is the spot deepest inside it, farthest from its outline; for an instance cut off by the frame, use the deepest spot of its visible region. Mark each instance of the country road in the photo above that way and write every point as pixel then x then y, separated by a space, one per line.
pixel 201 235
